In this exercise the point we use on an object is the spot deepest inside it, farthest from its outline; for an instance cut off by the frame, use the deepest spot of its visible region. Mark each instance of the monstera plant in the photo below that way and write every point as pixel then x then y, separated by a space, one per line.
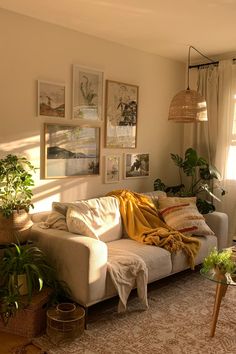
pixel 196 179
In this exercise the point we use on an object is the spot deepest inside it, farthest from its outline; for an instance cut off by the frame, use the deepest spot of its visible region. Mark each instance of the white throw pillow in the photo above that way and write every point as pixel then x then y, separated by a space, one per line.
pixel 182 214
pixel 98 218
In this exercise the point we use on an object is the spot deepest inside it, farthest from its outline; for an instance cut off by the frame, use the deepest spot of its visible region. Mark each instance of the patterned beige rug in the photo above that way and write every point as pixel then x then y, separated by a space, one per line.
pixel 177 322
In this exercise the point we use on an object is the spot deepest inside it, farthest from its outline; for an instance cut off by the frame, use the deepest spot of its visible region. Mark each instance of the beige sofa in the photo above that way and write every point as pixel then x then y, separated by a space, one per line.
pixel 81 261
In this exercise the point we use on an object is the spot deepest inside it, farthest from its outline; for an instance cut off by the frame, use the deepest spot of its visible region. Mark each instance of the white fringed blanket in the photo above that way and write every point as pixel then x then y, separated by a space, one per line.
pixel 126 269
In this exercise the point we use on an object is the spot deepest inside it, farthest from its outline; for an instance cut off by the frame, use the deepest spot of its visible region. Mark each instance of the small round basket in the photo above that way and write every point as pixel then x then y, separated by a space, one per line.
pixel 65 323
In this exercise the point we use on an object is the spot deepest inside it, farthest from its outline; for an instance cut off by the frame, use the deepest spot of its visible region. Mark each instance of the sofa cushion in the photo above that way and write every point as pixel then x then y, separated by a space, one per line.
pixel 182 214
pixel 62 207
pixel 98 218
pixel 179 260
pixel 158 260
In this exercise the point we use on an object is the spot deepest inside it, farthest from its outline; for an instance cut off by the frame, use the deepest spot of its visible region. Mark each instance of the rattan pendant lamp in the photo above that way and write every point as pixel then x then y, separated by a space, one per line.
pixel 188 106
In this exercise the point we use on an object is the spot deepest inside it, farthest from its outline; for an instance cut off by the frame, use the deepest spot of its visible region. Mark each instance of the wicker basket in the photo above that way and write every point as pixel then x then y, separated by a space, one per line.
pixel 65 323
pixel 15 228
pixel 30 321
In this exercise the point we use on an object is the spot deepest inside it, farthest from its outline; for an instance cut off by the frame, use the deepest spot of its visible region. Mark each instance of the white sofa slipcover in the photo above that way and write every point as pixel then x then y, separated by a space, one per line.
pixel 81 261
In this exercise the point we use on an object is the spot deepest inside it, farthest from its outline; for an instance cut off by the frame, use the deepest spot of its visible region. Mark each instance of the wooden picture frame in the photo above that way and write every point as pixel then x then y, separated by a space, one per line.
pixel 87 93
pixel 121 113
pixel 112 169
pixel 71 150
pixel 136 165
pixel 51 99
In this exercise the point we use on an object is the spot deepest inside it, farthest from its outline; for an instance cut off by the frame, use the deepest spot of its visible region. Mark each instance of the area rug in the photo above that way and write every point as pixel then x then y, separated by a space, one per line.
pixel 177 322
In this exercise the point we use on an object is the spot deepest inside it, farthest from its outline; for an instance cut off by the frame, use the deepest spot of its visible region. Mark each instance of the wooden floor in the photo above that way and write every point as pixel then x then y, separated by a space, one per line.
pixel 9 342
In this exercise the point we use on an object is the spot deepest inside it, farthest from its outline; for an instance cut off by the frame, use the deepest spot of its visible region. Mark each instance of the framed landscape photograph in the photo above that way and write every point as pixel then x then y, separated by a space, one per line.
pixel 87 93
pixel 112 169
pixel 71 150
pixel 136 165
pixel 121 110
pixel 51 99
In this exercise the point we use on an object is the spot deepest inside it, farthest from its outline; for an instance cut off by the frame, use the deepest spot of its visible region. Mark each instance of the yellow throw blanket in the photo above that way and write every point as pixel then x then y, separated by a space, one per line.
pixel 142 224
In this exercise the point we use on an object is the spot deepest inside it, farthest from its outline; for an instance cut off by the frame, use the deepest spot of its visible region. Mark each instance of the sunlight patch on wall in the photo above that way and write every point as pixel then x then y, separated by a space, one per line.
pixel 45 191
pixel 19 146
pixel 45 204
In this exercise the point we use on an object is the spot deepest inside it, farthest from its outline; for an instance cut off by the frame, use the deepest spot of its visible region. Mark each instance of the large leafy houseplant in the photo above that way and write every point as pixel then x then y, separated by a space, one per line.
pixel 15 184
pixel 30 261
pixel 196 179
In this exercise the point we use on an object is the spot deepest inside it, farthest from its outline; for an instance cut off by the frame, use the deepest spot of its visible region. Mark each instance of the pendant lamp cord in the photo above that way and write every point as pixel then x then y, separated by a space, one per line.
pixel 189 50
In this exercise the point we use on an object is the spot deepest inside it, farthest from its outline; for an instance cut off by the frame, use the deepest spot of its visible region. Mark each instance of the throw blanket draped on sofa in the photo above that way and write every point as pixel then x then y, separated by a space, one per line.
pixel 126 269
pixel 142 224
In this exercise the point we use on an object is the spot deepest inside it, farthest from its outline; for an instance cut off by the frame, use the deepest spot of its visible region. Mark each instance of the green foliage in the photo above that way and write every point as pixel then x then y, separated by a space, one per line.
pixel 9 303
pixel 30 260
pixel 15 184
pixel 200 175
pixel 220 259
pixel 24 259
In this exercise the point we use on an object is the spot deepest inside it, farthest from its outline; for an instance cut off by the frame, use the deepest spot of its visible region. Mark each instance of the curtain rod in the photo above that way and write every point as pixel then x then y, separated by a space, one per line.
pixel 206 64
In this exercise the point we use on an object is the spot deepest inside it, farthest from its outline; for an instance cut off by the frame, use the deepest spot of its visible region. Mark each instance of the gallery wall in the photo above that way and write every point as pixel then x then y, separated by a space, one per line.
pixel 32 50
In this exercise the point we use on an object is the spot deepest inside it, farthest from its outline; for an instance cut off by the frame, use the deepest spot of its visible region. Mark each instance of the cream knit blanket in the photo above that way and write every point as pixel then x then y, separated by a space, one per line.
pixel 127 270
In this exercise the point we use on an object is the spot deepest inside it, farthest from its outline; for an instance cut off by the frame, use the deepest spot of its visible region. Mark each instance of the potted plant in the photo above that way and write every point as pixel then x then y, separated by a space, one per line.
pixel 220 262
pixel 24 270
pixel 23 266
pixel 196 179
pixel 15 198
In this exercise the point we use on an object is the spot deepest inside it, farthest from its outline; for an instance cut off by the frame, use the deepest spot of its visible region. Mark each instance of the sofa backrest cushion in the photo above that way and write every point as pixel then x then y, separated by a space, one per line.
pixel 182 214
pixel 98 218
pixel 61 207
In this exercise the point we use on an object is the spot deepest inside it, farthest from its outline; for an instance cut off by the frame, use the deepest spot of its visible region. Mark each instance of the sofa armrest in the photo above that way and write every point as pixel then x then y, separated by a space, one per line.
pixel 218 222
pixel 79 260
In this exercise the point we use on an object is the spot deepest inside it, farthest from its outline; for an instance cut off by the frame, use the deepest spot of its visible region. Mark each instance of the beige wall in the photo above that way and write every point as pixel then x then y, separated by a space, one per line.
pixel 32 50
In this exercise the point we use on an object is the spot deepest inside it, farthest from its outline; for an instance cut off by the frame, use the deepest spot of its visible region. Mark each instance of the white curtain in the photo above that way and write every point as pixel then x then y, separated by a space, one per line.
pixel 203 136
pixel 223 161
pixel 213 139
pixel 208 85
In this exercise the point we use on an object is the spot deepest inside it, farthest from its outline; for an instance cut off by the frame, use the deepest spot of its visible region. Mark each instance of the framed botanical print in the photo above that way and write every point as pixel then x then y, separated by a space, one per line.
pixel 87 95
pixel 112 169
pixel 136 165
pixel 121 110
pixel 51 99
pixel 71 150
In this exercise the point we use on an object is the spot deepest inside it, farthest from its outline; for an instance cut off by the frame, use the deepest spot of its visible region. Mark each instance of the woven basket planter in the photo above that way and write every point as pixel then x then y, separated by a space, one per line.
pixel 16 227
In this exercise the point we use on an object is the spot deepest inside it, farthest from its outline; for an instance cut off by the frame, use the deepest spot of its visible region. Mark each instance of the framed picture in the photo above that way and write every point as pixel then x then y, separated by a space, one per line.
pixel 136 165
pixel 51 99
pixel 112 169
pixel 121 115
pixel 71 150
pixel 87 93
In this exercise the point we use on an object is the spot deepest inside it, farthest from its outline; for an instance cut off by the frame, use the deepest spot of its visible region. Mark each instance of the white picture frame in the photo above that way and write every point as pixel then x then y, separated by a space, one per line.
pixel 51 99
pixel 136 165
pixel 121 115
pixel 87 93
pixel 71 150
pixel 112 173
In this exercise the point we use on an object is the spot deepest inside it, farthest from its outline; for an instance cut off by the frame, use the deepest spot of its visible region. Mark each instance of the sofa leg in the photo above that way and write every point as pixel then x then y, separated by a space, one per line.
pixel 86 317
